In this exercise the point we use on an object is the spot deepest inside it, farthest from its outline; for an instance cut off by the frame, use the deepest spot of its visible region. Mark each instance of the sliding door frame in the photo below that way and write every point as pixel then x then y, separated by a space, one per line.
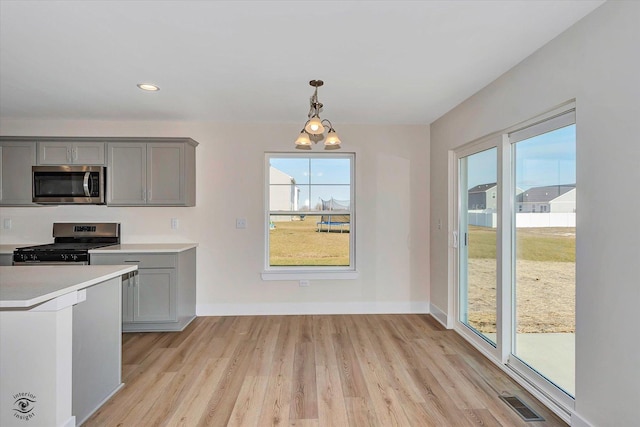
pixel 550 395
pixel 483 144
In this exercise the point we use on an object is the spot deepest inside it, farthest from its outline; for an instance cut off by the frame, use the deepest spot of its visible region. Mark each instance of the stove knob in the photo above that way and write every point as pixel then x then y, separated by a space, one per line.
pixel 74 257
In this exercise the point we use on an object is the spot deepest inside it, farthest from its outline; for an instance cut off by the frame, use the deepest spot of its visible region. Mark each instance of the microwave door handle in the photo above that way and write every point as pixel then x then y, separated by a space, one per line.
pixel 85 184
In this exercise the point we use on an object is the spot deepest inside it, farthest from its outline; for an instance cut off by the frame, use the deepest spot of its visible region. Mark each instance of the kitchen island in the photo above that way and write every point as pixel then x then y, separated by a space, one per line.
pixel 60 342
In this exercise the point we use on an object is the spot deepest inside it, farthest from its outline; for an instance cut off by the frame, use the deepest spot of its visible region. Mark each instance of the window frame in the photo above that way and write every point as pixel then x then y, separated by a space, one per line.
pixel 309 272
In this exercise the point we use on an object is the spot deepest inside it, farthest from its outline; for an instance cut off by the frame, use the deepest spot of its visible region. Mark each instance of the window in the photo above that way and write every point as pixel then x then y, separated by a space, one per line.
pixel 309 213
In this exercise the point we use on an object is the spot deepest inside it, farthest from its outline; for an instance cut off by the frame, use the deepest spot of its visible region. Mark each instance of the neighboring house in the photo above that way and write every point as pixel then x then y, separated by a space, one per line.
pixel 564 203
pixel 552 198
pixel 483 196
pixel 283 194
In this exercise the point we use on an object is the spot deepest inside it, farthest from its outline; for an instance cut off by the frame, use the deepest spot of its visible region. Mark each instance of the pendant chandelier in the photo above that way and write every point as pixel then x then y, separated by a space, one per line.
pixel 315 126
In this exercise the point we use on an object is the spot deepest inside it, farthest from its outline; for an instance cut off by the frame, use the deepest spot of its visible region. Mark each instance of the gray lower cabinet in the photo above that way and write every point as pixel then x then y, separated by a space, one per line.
pixel 151 173
pixel 161 295
pixel 16 159
pixel 70 153
pixel 6 259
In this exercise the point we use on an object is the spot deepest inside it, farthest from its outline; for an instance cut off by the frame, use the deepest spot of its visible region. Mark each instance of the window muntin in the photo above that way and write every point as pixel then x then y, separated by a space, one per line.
pixel 310 212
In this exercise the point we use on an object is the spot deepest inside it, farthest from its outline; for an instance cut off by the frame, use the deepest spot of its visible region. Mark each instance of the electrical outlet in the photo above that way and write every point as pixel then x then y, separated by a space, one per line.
pixel 6 224
pixel 174 223
pixel 241 223
pixel 304 283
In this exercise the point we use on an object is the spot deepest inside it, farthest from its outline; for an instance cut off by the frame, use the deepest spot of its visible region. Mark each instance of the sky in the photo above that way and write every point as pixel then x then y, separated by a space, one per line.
pixel 547 159
pixel 317 178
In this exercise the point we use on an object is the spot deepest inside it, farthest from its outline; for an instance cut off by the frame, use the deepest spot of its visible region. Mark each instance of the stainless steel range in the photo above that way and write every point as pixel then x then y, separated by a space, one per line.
pixel 72 242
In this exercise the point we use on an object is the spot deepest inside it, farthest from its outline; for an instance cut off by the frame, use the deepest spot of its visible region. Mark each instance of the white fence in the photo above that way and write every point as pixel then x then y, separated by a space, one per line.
pixel 526 220
pixel 550 219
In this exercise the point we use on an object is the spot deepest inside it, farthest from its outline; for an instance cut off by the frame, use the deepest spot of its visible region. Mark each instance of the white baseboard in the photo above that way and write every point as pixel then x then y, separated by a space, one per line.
pixel 438 314
pixel 578 421
pixel 402 307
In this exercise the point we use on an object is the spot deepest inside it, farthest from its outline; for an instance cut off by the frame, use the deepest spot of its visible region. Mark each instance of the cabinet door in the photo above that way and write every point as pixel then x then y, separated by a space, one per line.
pixel 69 153
pixel 16 159
pixel 54 153
pixel 165 174
pixel 126 173
pixel 155 295
pixel 6 259
pixel 88 153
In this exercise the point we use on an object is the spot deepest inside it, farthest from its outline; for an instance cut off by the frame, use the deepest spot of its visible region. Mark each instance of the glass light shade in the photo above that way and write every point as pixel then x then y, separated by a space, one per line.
pixel 314 126
pixel 148 86
pixel 332 138
pixel 303 139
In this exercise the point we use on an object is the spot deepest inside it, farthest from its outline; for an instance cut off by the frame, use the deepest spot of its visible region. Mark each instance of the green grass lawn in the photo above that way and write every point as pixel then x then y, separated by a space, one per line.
pixel 299 243
pixel 533 244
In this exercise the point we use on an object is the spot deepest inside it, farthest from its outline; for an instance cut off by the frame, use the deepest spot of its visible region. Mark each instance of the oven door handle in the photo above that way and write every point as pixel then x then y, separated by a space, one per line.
pixel 85 184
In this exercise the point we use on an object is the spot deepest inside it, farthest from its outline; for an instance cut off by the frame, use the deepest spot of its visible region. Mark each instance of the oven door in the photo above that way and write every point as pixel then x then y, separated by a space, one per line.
pixel 68 184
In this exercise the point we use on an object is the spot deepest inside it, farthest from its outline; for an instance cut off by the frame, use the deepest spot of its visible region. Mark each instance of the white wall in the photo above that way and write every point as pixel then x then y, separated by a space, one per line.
pixel 597 62
pixel 392 193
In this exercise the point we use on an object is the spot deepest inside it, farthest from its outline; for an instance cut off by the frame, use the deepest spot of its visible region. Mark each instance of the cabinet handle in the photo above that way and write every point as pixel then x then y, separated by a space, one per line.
pixel 69 157
pixel 75 153
pixel 144 196
pixel 149 195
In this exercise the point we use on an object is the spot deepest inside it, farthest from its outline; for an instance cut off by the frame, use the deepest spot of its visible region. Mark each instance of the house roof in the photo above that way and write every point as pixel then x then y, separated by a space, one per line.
pixel 482 188
pixel 544 194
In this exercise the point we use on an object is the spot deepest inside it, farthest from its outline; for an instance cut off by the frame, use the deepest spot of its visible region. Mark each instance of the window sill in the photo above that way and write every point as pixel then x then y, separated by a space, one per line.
pixel 310 275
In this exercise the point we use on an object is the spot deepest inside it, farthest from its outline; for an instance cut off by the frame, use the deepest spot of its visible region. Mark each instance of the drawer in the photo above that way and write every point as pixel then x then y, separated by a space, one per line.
pixel 141 259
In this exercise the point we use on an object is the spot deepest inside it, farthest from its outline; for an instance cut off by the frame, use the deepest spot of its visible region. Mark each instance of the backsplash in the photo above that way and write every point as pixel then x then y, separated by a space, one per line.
pixel 139 225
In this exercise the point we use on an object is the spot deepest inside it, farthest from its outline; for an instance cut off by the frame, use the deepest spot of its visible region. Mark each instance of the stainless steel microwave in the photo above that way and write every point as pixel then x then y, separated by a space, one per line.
pixel 58 185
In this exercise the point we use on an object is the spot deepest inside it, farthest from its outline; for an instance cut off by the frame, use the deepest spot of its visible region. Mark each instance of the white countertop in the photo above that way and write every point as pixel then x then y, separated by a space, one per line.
pixel 145 247
pixel 9 248
pixel 26 286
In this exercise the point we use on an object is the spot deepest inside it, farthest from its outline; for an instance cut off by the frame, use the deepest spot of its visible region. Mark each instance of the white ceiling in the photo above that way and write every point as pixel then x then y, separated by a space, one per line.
pixel 396 62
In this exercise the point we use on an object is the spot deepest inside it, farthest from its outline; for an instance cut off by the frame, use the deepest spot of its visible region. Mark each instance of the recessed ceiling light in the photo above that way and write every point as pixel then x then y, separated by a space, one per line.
pixel 148 86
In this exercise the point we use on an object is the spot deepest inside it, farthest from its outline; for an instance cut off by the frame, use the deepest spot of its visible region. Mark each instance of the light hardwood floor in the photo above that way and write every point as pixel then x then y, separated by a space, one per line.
pixel 343 370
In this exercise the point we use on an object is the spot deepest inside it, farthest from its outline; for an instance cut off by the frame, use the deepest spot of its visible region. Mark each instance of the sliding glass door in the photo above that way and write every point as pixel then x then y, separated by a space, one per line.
pixel 544 203
pixel 516 196
pixel 478 220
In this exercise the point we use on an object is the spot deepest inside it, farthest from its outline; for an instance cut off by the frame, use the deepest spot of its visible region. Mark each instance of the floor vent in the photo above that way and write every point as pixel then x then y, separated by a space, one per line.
pixel 521 408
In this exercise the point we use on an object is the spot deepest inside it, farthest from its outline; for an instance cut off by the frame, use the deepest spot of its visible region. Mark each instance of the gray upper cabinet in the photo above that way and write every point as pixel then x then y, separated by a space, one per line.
pixel 16 159
pixel 140 171
pixel 71 153
pixel 126 173
pixel 154 173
